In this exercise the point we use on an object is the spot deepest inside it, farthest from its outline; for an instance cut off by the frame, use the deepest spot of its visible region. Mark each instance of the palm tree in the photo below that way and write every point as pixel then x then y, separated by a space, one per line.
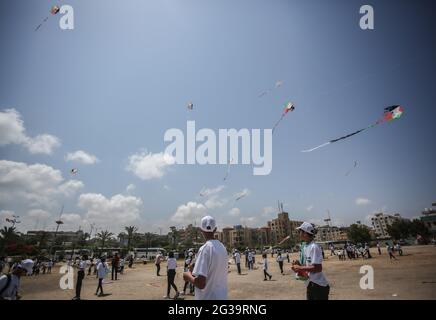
pixel 131 230
pixel 104 236
pixel 8 233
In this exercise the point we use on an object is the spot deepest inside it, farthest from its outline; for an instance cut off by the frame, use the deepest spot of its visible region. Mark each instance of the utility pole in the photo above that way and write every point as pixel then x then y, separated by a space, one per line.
pixel 58 223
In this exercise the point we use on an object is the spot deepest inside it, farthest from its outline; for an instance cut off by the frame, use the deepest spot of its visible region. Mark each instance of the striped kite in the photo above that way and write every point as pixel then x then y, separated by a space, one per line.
pixel 390 113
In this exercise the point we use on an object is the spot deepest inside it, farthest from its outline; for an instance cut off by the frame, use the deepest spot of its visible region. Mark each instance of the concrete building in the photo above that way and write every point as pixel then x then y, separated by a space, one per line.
pixel 282 227
pixel 381 221
pixel 227 236
pixel 429 218
pixel 331 233
pixel 66 236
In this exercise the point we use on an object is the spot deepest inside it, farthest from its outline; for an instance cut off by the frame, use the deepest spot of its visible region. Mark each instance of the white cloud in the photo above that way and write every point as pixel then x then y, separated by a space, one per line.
pixel 166 187
pixel 310 207
pixel 12 131
pixel 72 219
pixel 81 157
pixel 213 199
pixel 362 201
pixel 130 188
pixel 36 185
pixel 6 214
pixel 211 191
pixel 189 212
pixel 215 202
pixel 249 221
pixel 116 212
pixel 38 214
pixel 70 187
pixel 43 143
pixel 234 212
pixel 267 211
pixel 148 166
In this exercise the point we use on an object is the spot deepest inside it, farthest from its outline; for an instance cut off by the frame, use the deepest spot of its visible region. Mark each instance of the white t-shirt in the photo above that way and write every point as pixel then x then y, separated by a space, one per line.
pixel 237 258
pixel 10 293
pixel 101 270
pixel 280 259
pixel 171 264
pixel 211 262
pixel 313 255
pixel 82 265
pixel 265 264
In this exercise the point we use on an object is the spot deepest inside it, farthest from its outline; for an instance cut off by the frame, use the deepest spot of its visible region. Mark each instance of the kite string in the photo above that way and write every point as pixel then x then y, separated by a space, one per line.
pixel 277 123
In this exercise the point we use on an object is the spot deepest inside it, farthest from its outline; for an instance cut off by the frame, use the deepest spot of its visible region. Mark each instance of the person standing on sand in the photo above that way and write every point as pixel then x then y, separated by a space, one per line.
pixel 115 265
pixel 80 276
pixel 378 248
pixel 171 275
pixel 265 267
pixel 210 272
pixel 102 270
pixel 157 263
pixel 279 259
pixel 238 261
pixel 317 284
pixel 391 252
pixel 187 267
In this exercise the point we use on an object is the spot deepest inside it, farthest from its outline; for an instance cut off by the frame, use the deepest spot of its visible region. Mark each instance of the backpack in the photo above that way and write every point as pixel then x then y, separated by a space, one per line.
pixel 8 282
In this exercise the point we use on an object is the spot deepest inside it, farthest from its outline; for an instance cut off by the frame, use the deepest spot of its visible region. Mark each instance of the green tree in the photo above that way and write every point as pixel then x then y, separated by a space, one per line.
pixel 104 236
pixel 418 227
pixel 400 229
pixel 131 230
pixel 359 233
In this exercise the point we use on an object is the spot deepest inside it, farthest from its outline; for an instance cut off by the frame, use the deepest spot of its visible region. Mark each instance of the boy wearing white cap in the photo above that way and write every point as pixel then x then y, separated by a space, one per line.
pixel 210 272
pixel 10 283
pixel 317 285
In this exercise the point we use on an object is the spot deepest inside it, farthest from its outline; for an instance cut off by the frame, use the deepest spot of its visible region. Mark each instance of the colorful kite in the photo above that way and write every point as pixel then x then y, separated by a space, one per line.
pixel 390 113
pixel 190 106
pixel 288 107
pixel 54 10
pixel 74 171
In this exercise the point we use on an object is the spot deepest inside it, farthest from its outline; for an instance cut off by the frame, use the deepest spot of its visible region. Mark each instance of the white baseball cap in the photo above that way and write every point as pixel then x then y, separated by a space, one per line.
pixel 208 224
pixel 307 227
pixel 26 265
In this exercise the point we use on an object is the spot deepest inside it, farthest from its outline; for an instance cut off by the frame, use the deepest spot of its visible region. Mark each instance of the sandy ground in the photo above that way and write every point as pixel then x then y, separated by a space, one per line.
pixel 413 276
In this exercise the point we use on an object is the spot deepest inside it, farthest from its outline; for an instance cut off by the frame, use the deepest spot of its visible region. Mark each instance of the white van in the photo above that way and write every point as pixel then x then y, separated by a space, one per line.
pixel 147 253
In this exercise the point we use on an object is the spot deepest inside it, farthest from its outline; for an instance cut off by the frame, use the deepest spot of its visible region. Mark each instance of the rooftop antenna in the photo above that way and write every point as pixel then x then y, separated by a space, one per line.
pixel 328 220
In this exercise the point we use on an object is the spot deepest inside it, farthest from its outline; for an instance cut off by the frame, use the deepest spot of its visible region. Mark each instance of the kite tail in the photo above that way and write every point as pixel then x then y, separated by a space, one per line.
pixel 39 26
pixel 277 123
pixel 323 145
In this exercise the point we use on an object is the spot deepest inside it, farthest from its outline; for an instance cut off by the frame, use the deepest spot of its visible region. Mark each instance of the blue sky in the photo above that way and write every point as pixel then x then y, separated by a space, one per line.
pixel 112 87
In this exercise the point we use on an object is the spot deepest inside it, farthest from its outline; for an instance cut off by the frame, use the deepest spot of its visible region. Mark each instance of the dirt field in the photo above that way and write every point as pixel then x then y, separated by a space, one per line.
pixel 413 276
